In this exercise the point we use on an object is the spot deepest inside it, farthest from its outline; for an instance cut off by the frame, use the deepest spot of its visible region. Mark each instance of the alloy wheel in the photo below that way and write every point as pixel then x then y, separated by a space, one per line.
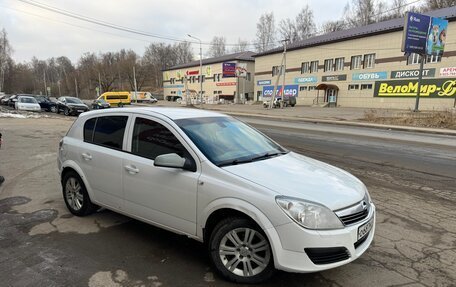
pixel 244 252
pixel 74 195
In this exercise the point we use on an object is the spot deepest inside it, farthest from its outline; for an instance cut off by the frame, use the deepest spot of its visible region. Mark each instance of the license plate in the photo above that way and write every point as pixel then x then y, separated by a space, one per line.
pixel 365 228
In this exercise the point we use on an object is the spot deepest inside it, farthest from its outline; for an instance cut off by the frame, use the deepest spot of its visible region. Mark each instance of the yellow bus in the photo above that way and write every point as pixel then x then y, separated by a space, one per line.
pixel 116 98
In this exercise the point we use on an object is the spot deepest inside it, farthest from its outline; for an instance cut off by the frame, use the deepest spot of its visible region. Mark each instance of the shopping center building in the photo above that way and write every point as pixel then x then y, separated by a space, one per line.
pixel 228 78
pixel 363 67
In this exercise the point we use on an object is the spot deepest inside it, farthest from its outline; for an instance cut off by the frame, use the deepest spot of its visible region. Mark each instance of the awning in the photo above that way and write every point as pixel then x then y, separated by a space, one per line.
pixel 326 86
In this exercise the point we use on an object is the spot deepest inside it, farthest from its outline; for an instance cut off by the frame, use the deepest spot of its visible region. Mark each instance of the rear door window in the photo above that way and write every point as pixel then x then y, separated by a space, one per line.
pixel 89 125
pixel 108 131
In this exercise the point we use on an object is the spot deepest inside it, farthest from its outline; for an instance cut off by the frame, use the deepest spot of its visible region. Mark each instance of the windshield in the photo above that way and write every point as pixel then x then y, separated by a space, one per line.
pixel 227 141
pixel 73 101
pixel 27 100
pixel 102 101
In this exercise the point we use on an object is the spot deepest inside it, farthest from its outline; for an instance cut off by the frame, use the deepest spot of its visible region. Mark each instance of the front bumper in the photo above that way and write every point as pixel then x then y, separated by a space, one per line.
pixel 290 240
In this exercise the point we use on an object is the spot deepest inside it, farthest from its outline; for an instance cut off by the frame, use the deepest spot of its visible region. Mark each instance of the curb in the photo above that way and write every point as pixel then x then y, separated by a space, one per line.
pixel 347 123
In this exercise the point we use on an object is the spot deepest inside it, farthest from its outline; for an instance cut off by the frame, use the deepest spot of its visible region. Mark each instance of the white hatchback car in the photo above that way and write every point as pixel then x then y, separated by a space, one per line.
pixel 257 206
pixel 27 103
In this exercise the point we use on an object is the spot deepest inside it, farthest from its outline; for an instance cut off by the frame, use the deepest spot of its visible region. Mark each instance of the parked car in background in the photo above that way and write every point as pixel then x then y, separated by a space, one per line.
pixel 289 101
pixel 100 104
pixel 70 106
pixel 256 205
pixel 46 103
pixel 4 100
pixel 12 101
pixel 153 100
pixel 27 103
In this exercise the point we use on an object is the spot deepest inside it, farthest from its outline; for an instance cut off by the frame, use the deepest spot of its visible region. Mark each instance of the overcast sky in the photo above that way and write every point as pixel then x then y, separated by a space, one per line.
pixel 36 32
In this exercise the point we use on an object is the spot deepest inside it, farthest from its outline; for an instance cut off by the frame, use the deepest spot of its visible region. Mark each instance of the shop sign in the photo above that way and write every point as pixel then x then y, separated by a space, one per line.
pixel 430 88
pixel 305 80
pixel 222 84
pixel 290 90
pixel 208 71
pixel 334 78
pixel 263 82
pixel 241 70
pixel 173 86
pixel 369 76
pixel 228 70
pixel 448 72
pixel 407 74
pixel 194 72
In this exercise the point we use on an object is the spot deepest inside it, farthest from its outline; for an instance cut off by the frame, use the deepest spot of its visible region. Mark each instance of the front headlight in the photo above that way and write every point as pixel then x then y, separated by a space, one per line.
pixel 308 214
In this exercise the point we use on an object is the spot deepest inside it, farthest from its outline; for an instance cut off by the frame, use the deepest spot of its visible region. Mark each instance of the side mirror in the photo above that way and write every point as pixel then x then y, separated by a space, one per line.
pixel 169 160
pixel 175 161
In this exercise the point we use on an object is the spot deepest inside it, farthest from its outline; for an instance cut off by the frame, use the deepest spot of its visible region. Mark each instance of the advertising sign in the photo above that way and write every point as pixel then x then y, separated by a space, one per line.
pixel 407 74
pixel 290 90
pixel 430 88
pixel 305 80
pixel 208 71
pixel 415 33
pixel 436 36
pixel 173 86
pixel 448 72
pixel 241 70
pixel 228 70
pixel 263 82
pixel 334 78
pixel 369 76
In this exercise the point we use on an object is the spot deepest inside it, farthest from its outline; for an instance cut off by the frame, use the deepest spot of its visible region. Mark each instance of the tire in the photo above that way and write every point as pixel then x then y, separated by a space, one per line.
pixel 248 253
pixel 53 109
pixel 120 105
pixel 66 112
pixel 75 195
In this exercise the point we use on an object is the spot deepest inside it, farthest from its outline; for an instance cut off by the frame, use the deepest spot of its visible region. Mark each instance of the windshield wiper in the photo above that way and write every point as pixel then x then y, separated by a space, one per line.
pixel 268 155
pixel 233 162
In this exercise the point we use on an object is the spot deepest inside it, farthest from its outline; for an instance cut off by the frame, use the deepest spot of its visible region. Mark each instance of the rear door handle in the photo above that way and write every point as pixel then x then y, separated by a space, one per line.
pixel 86 156
pixel 132 169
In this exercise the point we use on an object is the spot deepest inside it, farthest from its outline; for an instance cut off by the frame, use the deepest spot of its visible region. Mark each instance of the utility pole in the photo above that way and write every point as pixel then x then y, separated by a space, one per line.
pixel 136 90
pixel 420 78
pixel 99 82
pixel 76 87
pixel 201 70
pixel 44 80
pixel 58 84
pixel 284 70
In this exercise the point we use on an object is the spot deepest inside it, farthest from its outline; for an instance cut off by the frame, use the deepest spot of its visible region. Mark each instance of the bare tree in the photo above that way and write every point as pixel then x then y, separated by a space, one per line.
pixel 241 46
pixel 266 32
pixel 5 55
pixel 287 30
pixel 333 26
pixel 363 12
pixel 218 47
pixel 398 8
pixel 305 25
pixel 438 4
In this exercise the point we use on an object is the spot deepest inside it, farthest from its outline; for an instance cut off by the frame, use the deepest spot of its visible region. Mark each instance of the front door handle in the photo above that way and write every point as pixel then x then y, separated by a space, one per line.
pixel 132 169
pixel 86 156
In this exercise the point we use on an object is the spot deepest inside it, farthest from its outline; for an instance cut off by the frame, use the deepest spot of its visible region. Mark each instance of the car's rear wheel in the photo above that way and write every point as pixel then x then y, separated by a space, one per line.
pixel 75 194
pixel 240 251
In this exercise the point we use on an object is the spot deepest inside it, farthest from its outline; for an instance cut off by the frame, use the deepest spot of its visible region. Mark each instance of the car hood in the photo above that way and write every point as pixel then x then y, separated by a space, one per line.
pixel 301 177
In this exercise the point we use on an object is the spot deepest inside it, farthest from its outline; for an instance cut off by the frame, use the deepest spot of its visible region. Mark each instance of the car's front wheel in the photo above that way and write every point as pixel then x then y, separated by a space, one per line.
pixel 75 194
pixel 66 112
pixel 240 251
pixel 53 109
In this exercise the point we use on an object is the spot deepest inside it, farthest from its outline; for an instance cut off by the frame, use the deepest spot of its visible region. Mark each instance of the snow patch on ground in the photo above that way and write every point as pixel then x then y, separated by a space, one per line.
pixel 16 115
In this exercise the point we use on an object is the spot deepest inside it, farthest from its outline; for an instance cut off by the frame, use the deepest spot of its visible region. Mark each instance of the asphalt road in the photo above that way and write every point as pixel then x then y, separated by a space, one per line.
pixel 411 178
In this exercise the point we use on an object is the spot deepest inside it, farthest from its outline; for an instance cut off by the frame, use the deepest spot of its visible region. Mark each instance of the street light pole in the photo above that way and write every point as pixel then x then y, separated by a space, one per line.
pixel 284 70
pixel 201 69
